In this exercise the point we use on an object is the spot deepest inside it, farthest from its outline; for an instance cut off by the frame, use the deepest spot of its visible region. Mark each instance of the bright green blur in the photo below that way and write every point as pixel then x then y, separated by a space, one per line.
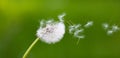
pixel 19 20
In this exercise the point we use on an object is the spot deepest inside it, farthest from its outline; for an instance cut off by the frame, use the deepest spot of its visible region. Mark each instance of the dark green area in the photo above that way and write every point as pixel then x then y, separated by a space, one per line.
pixel 19 20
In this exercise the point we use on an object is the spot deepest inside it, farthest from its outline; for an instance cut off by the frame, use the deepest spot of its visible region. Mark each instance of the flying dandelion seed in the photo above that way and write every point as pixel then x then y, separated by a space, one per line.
pixel 76 31
pixel 78 34
pixel 115 28
pixel 110 29
pixel 42 23
pixel 73 28
pixel 80 37
pixel 88 24
pixel 49 21
pixel 60 17
pixel 105 25
pixel 110 32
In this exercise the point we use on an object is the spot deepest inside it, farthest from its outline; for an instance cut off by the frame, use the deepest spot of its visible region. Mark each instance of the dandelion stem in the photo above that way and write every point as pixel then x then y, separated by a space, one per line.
pixel 30 47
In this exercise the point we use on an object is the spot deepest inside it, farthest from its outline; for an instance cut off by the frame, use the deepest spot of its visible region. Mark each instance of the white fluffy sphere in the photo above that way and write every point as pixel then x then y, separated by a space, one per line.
pixel 52 32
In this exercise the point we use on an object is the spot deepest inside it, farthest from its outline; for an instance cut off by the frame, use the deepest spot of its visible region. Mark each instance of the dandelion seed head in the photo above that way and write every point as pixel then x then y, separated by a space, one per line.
pixel 52 32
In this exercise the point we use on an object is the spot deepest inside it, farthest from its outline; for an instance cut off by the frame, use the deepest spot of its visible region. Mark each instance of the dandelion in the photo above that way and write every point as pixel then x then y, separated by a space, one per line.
pixel 49 32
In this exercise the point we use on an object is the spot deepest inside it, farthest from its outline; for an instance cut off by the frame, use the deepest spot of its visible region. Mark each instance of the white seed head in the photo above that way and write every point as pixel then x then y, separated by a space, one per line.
pixel 88 24
pixel 52 32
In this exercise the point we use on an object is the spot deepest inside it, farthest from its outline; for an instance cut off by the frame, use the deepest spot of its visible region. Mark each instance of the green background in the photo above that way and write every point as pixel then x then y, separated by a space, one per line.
pixel 19 20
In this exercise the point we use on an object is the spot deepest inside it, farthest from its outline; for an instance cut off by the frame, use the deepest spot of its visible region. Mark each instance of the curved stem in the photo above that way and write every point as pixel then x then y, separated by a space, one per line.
pixel 30 47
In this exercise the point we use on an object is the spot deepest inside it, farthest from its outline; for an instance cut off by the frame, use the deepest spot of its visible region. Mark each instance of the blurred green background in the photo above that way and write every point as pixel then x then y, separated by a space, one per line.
pixel 19 20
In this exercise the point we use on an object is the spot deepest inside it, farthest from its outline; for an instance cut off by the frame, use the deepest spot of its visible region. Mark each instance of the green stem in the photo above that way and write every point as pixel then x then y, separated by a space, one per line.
pixel 78 41
pixel 30 47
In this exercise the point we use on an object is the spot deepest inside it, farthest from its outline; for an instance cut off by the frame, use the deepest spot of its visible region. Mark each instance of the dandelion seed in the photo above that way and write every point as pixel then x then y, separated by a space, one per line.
pixel 110 29
pixel 77 26
pixel 60 17
pixel 50 21
pixel 81 36
pixel 109 32
pixel 42 23
pixel 76 33
pixel 90 23
pixel 115 28
pixel 105 26
pixel 72 28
